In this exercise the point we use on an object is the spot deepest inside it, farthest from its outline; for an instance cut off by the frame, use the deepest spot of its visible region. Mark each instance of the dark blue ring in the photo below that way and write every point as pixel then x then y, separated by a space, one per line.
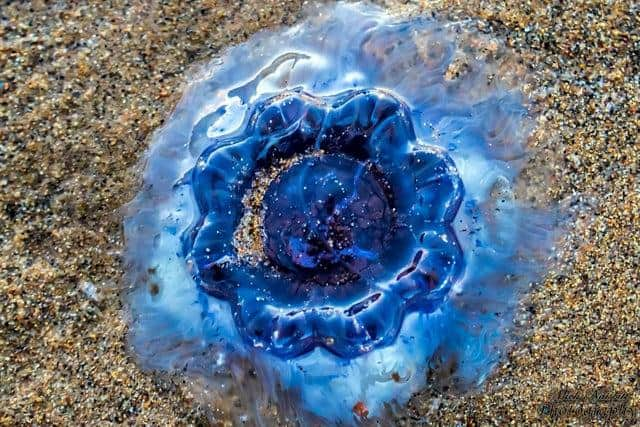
pixel 418 265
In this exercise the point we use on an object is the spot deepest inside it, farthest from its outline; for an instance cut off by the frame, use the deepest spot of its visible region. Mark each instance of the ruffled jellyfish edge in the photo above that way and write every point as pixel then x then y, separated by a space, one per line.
pixel 363 316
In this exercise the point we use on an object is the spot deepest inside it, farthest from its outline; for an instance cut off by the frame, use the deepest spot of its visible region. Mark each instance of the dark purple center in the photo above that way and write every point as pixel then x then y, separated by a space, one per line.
pixel 327 219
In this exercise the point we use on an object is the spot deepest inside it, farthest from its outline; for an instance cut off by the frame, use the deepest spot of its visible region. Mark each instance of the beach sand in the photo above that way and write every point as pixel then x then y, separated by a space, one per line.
pixel 83 85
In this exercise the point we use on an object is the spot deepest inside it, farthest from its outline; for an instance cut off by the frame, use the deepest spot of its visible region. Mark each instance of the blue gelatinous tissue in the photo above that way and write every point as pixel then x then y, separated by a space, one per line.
pixel 330 215
pixel 354 236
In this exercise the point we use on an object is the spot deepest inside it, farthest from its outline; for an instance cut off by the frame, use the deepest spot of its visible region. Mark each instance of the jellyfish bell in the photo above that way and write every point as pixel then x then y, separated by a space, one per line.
pixel 342 210
pixel 327 214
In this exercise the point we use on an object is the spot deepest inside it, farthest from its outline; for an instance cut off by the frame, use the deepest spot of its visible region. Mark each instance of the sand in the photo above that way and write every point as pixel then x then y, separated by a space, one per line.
pixel 83 85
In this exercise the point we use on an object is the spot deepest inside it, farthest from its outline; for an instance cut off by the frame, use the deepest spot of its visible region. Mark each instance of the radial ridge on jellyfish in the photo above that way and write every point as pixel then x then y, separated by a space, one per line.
pixel 331 215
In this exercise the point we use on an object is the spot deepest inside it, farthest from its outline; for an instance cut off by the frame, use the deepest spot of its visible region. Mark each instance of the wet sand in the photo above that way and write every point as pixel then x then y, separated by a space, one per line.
pixel 82 87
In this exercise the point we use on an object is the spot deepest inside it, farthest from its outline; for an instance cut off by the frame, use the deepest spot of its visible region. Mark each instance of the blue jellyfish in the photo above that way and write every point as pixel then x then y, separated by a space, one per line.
pixel 332 213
